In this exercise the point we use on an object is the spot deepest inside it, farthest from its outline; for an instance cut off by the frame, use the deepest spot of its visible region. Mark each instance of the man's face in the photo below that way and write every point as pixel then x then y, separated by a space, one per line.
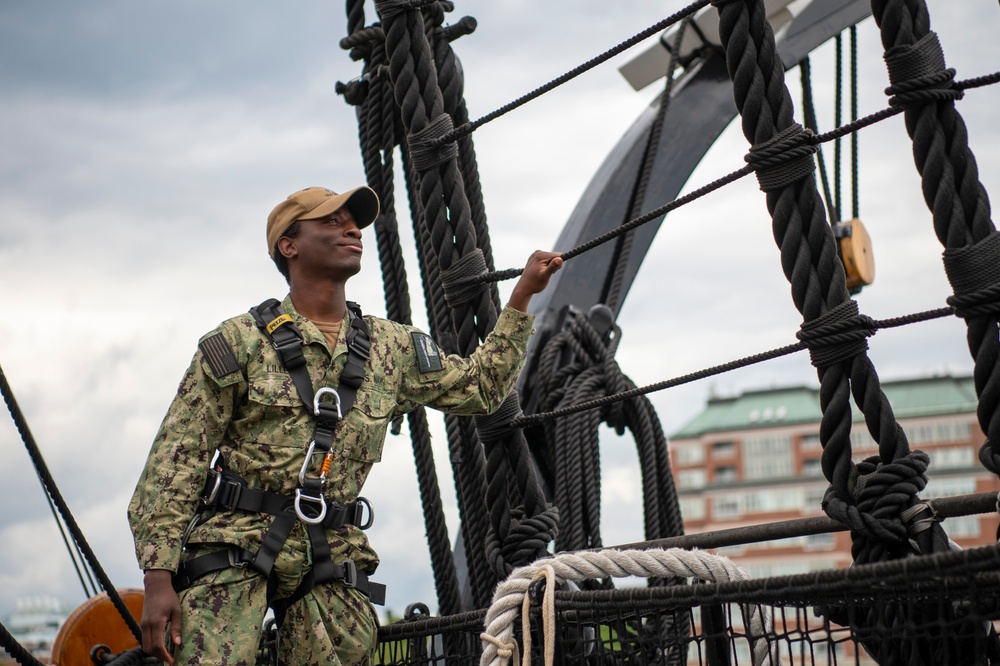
pixel 329 246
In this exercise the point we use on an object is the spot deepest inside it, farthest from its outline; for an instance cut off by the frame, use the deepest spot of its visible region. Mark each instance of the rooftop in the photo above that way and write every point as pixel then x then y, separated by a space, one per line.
pixel 767 408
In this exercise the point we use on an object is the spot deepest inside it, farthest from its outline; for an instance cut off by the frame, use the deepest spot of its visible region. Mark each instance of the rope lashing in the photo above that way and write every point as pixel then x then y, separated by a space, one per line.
pixel 839 334
pixel 388 9
pixel 974 274
pixel 494 426
pixel 783 159
pixel 461 281
pixel 498 640
pixel 425 151
pixel 917 73
pixel 881 493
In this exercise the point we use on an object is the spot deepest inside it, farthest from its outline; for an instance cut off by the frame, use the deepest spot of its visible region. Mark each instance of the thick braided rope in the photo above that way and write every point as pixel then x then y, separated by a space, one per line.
pixel 808 249
pixel 376 123
pixel 498 643
pixel 950 182
pixel 447 216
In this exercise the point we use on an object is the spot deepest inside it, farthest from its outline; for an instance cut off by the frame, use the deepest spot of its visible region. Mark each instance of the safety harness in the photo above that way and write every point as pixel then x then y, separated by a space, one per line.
pixel 226 490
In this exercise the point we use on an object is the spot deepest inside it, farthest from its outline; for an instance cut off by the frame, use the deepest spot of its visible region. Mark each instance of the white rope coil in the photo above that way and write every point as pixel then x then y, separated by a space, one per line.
pixel 510 596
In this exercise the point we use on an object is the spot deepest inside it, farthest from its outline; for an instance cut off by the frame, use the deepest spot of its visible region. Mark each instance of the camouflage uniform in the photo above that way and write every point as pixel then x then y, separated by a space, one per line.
pixel 256 418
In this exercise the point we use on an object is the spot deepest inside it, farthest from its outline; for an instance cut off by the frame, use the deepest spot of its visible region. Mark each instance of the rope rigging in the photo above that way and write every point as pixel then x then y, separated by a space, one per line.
pixel 410 96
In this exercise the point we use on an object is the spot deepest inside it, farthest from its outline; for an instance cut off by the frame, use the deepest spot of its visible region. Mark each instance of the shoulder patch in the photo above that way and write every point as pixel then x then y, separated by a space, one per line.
pixel 219 355
pixel 428 354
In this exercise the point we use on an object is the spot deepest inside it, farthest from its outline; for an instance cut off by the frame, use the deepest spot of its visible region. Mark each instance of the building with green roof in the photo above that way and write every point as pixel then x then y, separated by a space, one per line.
pixel 755 458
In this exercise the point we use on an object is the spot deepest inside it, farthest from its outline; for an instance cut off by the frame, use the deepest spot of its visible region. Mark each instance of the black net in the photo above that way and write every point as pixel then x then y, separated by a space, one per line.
pixel 935 609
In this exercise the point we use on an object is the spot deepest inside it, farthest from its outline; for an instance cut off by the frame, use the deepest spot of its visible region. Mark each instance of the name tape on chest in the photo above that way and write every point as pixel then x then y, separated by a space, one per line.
pixel 428 354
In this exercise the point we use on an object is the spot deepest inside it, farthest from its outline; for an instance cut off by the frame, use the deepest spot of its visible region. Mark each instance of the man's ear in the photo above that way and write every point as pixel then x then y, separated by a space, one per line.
pixel 286 246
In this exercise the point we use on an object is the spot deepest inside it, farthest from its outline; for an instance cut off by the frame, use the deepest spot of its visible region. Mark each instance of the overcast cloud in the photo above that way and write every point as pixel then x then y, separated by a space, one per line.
pixel 143 145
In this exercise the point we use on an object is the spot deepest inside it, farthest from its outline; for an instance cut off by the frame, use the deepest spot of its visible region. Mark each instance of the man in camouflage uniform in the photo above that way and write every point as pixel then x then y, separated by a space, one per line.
pixel 238 399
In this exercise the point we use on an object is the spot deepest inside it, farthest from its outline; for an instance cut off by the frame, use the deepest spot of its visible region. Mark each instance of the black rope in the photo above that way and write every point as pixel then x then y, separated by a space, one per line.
pixel 50 485
pixel 470 127
pixel 809 109
pixel 850 128
pixel 446 216
pixel 15 649
pixel 855 208
pixel 611 293
pixel 811 264
pixel 952 191
pixel 838 105
pixel 377 119
pixel 529 420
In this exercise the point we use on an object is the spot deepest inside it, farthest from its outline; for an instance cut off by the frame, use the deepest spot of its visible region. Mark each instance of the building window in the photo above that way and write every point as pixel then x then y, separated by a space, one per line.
pixel 861 440
pixel 810 442
pixel 690 479
pixel 725 474
pixel 820 542
pixel 692 508
pixel 812 467
pixel 963 527
pixel 769 456
pixel 723 449
pixel 690 455
pixel 965 485
pixel 942 431
pixel 726 506
pixel 952 457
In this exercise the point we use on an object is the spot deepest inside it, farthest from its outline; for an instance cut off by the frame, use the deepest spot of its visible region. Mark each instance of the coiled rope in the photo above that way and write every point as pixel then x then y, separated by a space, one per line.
pixel 509 598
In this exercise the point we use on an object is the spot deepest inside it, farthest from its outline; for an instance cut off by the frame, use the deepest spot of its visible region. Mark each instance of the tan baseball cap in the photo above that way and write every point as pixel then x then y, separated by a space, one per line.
pixel 314 202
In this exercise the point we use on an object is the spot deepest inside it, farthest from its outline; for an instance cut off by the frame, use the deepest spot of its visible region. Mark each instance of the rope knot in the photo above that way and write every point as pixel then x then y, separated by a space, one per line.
pixel 461 281
pixel 917 73
pixel 974 274
pixel 783 159
pixel 526 540
pixel 426 150
pixel 882 502
pixel 837 335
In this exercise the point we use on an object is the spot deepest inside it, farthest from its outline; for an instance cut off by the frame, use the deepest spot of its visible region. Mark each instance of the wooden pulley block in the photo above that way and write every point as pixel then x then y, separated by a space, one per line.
pixel 856 253
pixel 96 625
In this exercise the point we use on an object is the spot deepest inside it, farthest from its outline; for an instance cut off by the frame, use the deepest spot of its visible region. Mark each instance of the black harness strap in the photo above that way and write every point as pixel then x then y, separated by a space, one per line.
pixel 227 490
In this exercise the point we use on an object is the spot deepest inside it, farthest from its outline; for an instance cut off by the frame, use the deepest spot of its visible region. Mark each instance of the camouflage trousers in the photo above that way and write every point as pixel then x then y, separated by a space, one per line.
pixel 222 616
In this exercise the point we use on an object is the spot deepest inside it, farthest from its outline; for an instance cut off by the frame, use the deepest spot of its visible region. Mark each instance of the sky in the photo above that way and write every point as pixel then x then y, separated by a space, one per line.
pixel 143 145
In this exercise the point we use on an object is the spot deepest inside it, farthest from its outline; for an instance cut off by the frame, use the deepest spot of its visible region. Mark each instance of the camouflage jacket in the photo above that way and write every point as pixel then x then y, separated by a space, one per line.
pixel 256 419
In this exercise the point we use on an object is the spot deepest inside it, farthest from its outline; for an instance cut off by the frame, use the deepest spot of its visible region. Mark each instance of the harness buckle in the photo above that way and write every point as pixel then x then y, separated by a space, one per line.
pixel 311 520
pixel 234 561
pixel 324 391
pixel 350 573
pixel 361 347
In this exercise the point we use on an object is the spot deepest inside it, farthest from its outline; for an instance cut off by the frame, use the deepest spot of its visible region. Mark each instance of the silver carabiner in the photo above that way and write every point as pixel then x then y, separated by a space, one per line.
pixel 315 500
pixel 323 391
pixel 305 463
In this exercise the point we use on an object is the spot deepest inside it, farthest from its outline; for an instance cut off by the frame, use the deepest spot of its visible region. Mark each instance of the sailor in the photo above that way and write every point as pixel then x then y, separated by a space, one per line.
pixel 249 498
